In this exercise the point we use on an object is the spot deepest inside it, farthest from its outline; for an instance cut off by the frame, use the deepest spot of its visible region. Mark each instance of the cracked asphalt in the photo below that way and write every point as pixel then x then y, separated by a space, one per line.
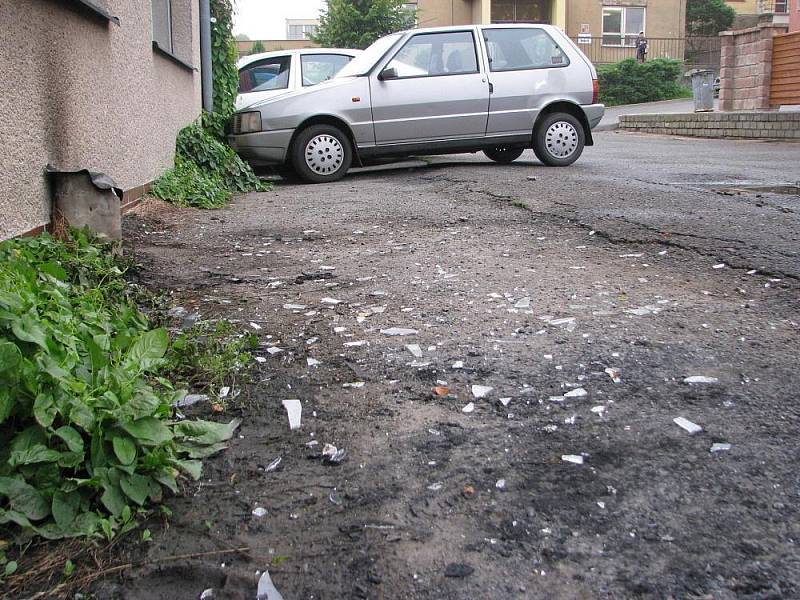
pixel 584 299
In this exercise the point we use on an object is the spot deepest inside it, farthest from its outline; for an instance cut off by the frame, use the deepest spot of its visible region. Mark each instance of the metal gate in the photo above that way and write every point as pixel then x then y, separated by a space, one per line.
pixel 785 84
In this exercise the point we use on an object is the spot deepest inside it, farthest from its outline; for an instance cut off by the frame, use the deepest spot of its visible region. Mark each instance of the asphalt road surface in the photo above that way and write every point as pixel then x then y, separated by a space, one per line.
pixel 593 301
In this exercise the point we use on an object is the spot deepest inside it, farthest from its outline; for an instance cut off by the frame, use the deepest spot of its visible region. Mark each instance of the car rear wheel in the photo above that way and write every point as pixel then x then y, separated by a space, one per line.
pixel 321 153
pixel 558 140
pixel 503 154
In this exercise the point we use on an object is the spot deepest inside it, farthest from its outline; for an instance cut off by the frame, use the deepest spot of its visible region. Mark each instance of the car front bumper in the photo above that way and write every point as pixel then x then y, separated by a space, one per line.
pixel 262 147
pixel 594 113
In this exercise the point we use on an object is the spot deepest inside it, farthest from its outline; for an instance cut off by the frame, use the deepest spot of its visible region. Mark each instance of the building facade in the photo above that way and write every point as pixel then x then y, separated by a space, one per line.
pixel 614 23
pixel 794 16
pixel 103 85
pixel 301 29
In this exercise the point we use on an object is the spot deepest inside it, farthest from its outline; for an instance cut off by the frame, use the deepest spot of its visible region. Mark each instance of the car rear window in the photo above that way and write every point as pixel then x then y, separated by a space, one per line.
pixel 521 49
pixel 266 74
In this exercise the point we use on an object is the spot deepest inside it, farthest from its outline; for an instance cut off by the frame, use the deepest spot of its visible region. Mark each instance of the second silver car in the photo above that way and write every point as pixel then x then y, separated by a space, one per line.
pixel 494 88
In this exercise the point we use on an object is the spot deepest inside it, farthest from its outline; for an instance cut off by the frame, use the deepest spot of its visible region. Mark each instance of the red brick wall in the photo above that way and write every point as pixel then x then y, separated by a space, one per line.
pixel 794 15
pixel 746 67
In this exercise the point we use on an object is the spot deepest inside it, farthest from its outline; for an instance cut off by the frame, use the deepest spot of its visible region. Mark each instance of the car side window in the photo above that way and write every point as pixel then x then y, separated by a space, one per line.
pixel 520 49
pixel 320 67
pixel 264 75
pixel 436 54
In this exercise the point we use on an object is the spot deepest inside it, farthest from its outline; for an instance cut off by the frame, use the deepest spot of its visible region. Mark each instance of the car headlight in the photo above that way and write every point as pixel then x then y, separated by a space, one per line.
pixel 250 122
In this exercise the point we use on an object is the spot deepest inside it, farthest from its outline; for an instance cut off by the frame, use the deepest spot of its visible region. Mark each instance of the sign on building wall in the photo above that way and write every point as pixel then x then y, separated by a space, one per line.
pixel 585 36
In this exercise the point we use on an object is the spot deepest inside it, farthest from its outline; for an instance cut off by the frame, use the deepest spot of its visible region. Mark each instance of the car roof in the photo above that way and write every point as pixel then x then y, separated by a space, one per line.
pixel 246 60
pixel 484 26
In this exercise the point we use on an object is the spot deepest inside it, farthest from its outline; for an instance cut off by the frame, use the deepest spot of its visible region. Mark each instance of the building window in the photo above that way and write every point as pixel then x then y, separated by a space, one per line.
pixel 301 32
pixel 520 11
pixel 622 24
pixel 162 24
pixel 411 7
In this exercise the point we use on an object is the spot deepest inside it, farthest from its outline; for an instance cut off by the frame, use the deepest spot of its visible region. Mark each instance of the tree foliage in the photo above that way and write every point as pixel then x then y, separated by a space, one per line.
pixel 708 17
pixel 358 23
pixel 258 46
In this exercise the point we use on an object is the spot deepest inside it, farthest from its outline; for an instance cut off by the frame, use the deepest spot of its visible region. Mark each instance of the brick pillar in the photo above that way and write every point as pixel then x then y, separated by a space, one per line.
pixel 727 65
pixel 764 76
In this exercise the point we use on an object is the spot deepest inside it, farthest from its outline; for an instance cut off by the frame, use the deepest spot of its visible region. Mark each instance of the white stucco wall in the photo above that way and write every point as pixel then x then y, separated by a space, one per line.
pixel 78 92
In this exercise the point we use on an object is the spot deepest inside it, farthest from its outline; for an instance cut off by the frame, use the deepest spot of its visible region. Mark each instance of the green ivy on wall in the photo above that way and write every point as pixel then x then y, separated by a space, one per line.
pixel 223 65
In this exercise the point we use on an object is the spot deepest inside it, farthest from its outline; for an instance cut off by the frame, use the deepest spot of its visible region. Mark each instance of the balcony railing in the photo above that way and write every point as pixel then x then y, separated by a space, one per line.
pixel 773 7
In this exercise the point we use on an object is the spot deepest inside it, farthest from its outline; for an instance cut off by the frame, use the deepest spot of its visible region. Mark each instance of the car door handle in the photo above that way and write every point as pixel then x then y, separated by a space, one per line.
pixel 491 88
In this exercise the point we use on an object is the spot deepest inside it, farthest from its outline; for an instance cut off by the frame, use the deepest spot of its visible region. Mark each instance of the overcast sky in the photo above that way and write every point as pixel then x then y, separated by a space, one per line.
pixel 266 19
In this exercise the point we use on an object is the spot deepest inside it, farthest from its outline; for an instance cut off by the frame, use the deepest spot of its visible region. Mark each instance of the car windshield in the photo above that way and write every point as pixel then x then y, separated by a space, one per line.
pixel 362 63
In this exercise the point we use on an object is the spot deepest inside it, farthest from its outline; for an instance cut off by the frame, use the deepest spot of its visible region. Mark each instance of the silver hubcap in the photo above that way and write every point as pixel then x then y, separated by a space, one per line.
pixel 324 154
pixel 561 139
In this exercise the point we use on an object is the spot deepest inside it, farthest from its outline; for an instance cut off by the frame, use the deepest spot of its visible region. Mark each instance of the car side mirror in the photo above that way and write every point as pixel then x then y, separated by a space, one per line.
pixel 388 73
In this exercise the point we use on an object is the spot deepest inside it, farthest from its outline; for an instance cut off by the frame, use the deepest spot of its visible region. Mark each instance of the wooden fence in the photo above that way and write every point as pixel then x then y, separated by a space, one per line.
pixel 785 83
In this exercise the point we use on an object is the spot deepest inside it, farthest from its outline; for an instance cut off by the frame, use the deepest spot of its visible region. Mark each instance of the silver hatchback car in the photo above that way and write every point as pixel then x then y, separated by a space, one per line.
pixel 494 88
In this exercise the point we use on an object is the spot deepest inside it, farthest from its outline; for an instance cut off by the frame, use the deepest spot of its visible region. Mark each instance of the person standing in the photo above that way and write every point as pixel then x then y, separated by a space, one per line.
pixel 641 47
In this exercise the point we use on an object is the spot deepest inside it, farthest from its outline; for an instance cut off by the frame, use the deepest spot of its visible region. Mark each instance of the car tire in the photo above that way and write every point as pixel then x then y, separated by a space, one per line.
pixel 321 154
pixel 503 154
pixel 558 140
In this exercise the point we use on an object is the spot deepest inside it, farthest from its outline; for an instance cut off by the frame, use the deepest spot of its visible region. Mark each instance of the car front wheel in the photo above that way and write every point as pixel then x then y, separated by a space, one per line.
pixel 321 153
pixel 558 140
pixel 503 154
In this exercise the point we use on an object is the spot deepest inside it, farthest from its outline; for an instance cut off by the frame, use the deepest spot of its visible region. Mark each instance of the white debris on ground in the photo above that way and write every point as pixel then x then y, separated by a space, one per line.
pixel 614 374
pixel 481 391
pixel 402 331
pixel 190 399
pixel 720 447
pixel 468 408
pixel 572 458
pixel 687 425
pixel 700 379
pixel 523 303
pixel 576 393
pixel 415 350
pixel 266 590
pixel 294 410
pixel 644 310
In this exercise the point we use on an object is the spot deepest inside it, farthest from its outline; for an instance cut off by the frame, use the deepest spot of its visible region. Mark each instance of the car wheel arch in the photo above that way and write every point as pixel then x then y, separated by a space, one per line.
pixel 334 122
pixel 571 108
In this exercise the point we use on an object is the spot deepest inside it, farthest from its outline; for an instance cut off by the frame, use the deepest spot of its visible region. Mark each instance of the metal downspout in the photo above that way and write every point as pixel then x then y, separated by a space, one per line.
pixel 205 56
